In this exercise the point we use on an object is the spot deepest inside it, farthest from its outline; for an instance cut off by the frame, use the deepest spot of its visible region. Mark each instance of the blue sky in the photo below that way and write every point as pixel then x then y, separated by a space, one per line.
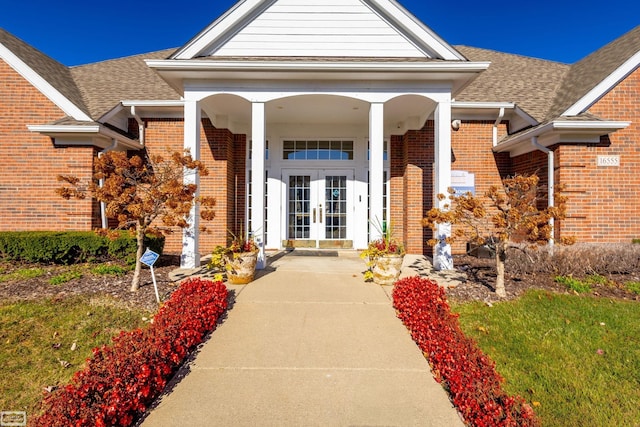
pixel 75 32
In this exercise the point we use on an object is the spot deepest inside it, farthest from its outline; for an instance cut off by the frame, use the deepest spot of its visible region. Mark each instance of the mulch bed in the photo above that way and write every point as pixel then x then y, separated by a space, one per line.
pixel 480 273
pixel 90 284
pixel 481 278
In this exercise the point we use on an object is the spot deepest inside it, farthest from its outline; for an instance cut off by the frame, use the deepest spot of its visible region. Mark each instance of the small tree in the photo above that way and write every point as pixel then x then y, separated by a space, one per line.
pixel 503 217
pixel 140 190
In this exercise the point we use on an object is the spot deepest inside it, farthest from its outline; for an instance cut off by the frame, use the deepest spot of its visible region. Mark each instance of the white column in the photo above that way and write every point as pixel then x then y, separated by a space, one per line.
pixel 257 178
pixel 190 257
pixel 442 259
pixel 376 168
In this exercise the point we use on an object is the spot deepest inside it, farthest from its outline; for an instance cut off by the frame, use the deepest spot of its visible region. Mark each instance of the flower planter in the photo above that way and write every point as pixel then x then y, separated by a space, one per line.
pixel 386 269
pixel 241 267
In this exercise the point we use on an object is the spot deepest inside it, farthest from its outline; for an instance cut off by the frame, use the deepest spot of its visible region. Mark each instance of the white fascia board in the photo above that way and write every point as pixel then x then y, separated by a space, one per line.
pixel 525 116
pixel 482 105
pixel 238 15
pixel 597 125
pixel 47 129
pixel 587 128
pixel 604 86
pixel 42 85
pixel 90 130
pixel 111 113
pixel 329 66
pixel 153 103
pixel 422 36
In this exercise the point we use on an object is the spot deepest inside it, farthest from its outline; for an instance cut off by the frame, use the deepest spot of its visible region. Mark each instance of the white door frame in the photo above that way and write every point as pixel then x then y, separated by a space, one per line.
pixel 317 202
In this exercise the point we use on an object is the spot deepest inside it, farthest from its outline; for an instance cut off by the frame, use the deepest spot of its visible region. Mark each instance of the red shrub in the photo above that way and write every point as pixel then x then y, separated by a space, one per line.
pixel 121 380
pixel 465 372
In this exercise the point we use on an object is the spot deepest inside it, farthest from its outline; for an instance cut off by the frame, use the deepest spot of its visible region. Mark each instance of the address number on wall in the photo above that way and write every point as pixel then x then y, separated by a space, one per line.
pixel 608 160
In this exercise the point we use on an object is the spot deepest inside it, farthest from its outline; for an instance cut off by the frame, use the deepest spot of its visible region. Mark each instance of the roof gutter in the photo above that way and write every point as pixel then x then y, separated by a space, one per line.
pixel 103 206
pixel 592 127
pixel 140 124
pixel 495 126
pixel 94 129
pixel 550 180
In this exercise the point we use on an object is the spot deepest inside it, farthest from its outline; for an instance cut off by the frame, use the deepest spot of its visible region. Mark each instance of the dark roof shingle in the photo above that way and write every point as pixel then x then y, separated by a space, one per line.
pixel 593 69
pixel 530 83
pixel 104 84
pixel 55 73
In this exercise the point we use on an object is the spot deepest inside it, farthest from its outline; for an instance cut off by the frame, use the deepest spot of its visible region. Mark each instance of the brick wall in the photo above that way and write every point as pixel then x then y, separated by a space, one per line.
pixel 537 162
pixel 472 152
pixel 219 148
pixel 30 164
pixel 607 197
pixel 397 167
pixel 417 186
pixel 412 159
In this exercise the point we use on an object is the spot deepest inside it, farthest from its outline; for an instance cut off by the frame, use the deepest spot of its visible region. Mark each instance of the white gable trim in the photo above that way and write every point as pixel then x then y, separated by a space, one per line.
pixel 243 13
pixel 602 88
pixel 42 85
pixel 221 29
pixel 417 31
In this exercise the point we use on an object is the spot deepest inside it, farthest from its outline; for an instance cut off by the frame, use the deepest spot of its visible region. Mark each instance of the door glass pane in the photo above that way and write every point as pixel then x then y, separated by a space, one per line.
pixel 336 203
pixel 299 204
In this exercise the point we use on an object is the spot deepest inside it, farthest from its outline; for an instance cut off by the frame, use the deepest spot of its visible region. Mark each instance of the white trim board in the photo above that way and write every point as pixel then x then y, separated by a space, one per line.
pixel 68 107
pixel 602 88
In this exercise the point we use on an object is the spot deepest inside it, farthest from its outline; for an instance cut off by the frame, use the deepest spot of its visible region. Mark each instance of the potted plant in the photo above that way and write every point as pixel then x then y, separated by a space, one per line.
pixel 384 257
pixel 238 259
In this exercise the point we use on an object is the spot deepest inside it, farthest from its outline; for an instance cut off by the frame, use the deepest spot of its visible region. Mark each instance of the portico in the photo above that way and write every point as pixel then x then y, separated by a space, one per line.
pixel 318 126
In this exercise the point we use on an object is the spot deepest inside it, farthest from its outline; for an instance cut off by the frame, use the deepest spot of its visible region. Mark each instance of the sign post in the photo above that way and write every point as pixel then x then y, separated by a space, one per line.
pixel 149 258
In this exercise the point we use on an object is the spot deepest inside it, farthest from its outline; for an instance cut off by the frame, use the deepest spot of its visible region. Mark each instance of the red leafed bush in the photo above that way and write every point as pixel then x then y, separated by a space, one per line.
pixel 465 372
pixel 121 380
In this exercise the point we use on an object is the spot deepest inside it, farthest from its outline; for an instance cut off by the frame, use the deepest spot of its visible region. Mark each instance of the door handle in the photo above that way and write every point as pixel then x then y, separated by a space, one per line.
pixel 320 213
pixel 314 215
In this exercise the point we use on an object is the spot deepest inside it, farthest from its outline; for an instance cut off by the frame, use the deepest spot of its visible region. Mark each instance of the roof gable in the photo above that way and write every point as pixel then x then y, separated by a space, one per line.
pixel 592 77
pixel 47 75
pixel 317 28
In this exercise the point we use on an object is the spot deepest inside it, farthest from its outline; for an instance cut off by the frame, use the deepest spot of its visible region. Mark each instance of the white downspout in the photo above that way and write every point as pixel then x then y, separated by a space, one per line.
pixel 550 177
pixel 140 124
pixel 103 207
pixel 495 126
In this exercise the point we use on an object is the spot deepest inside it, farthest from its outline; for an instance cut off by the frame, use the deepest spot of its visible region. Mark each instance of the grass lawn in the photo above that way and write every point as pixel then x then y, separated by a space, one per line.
pixel 576 358
pixel 45 342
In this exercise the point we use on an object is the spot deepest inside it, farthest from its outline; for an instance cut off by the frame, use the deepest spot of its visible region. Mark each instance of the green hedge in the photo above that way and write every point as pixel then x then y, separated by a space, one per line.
pixel 70 247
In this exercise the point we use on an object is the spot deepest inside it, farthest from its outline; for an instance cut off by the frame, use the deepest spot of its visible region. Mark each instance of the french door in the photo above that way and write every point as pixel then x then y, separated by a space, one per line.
pixel 319 208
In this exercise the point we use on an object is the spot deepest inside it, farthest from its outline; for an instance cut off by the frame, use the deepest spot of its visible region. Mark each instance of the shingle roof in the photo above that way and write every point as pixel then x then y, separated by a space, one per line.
pixel 528 82
pixel 590 71
pixel 55 73
pixel 104 84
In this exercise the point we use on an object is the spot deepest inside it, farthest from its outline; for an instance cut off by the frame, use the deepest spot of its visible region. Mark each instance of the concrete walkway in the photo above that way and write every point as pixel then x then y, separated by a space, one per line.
pixel 308 343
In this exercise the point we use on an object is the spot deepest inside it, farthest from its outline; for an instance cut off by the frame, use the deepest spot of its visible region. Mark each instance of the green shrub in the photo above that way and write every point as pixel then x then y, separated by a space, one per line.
pixel 574 284
pixel 65 277
pixel 633 287
pixel 596 279
pixel 21 274
pixel 49 247
pixel 123 247
pixel 109 269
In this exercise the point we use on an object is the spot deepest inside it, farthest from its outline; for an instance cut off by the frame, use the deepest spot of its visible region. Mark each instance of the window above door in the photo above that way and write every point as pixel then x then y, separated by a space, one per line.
pixel 317 150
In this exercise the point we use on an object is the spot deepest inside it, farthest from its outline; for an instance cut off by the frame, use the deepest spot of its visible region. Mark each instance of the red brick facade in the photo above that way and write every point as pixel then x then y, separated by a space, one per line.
pixel 223 153
pixel 603 202
pixel 31 162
